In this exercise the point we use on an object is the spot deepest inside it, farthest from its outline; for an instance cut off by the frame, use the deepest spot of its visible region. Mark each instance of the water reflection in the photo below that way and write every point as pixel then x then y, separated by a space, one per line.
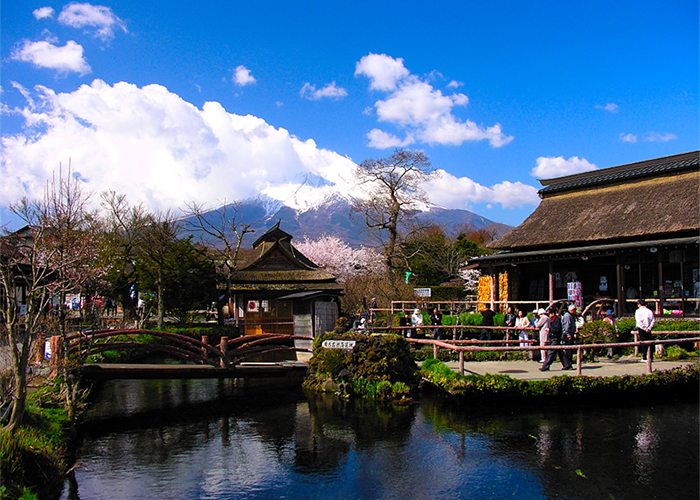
pixel 210 439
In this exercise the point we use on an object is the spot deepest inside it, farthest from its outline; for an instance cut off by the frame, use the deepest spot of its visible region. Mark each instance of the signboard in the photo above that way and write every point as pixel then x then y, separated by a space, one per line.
pixel 47 350
pixel 338 344
pixel 422 292
pixel 253 306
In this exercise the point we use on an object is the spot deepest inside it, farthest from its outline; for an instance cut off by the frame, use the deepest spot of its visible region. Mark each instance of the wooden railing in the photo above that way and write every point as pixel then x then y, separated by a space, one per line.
pixel 579 348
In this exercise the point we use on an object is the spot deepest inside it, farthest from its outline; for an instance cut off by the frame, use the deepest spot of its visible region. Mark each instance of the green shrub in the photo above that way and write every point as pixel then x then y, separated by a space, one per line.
pixel 370 369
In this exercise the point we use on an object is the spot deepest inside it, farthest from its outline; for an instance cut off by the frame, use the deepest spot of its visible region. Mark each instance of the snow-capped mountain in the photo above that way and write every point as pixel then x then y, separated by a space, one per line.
pixel 305 213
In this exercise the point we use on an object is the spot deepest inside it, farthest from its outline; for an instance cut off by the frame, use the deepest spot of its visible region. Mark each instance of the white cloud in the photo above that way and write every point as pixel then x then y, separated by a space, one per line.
pixel 463 192
pixel 99 17
pixel 331 90
pixel 383 70
pixel 656 137
pixel 242 76
pixel 154 147
pixel 628 137
pixel 416 107
pixel 68 58
pixel 43 12
pixel 454 84
pixel 549 167
pixel 611 107
pixel 383 140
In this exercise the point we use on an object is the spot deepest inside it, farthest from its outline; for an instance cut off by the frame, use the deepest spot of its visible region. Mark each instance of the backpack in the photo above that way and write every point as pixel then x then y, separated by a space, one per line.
pixel 555 327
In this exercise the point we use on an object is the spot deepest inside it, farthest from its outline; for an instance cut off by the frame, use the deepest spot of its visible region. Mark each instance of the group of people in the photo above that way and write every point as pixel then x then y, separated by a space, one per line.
pixel 557 328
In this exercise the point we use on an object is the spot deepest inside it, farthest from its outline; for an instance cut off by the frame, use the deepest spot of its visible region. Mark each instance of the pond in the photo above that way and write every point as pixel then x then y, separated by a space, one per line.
pixel 221 440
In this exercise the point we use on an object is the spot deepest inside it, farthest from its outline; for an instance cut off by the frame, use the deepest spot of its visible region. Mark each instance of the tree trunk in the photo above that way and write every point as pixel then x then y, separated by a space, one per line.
pixel 19 398
pixel 161 288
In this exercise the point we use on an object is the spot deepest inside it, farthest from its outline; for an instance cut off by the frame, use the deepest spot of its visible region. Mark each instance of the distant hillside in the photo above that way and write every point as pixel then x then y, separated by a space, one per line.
pixel 335 218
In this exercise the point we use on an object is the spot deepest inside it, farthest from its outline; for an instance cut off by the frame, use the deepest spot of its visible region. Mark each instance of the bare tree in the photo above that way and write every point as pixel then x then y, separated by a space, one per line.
pixel 394 192
pixel 155 242
pixel 124 226
pixel 54 255
pixel 227 229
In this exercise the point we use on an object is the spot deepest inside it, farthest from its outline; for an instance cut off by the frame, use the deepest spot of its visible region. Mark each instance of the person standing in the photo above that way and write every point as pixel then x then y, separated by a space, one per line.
pixel 610 320
pixel 417 320
pixel 486 320
pixel 523 322
pixel 568 329
pixel 543 324
pixel 644 319
pixel 436 320
pixel 509 320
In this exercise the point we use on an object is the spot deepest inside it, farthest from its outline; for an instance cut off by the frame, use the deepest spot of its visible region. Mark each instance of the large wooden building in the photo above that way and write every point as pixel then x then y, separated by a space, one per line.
pixel 624 232
pixel 276 289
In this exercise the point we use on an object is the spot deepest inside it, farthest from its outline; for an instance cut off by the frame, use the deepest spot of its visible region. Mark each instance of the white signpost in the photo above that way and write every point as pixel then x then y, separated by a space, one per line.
pixel 338 344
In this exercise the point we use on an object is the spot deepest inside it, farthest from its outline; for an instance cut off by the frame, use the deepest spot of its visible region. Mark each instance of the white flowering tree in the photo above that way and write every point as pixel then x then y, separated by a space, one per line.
pixel 471 279
pixel 332 254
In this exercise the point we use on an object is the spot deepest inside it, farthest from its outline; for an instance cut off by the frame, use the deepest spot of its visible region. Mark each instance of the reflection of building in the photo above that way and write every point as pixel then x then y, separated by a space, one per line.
pixel 631 228
pixel 278 290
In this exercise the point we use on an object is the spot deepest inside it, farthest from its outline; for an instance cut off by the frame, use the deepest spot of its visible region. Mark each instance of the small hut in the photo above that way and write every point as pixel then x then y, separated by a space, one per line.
pixel 276 289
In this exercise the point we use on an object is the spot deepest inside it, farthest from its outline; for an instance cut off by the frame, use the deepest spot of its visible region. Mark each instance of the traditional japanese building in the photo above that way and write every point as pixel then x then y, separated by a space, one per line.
pixel 278 290
pixel 623 233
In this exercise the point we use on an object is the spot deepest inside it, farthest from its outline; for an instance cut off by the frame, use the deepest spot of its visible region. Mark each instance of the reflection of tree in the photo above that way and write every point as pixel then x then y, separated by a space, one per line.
pixel 336 426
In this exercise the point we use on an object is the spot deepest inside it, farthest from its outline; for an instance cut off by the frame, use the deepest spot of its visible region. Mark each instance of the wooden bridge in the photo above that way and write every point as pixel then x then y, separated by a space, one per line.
pixel 230 358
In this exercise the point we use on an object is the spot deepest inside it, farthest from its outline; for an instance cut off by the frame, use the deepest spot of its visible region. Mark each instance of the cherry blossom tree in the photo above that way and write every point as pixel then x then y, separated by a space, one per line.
pixel 332 254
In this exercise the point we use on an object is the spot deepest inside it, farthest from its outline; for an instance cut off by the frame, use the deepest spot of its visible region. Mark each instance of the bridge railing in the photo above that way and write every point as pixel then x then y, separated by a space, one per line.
pixel 226 353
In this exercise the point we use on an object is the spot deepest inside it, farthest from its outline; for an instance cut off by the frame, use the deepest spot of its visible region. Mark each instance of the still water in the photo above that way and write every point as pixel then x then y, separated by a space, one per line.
pixel 218 440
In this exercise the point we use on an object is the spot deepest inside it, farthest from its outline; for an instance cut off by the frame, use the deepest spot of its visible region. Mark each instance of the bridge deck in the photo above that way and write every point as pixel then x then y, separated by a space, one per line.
pixel 146 371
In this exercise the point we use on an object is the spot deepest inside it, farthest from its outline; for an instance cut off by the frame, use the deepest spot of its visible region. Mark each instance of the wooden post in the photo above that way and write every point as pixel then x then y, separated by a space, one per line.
pixel 650 354
pixel 205 340
pixel 435 349
pixel 636 339
pixel 551 282
pixel 56 343
pixel 578 361
pixel 621 305
pixel 660 304
pixel 223 347
pixel 461 362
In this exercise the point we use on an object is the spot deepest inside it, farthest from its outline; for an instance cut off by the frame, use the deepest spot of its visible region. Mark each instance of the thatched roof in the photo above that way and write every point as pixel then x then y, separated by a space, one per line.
pixel 657 198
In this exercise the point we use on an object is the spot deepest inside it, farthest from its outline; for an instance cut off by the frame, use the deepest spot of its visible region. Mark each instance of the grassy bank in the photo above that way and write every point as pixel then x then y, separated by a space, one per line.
pixel 671 383
pixel 34 457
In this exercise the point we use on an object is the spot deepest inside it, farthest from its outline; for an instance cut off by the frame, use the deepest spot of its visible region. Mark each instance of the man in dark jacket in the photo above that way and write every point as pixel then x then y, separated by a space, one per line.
pixel 486 320
pixel 556 337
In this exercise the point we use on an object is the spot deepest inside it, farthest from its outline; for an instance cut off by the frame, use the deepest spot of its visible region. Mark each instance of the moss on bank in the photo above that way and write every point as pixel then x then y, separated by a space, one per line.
pixel 504 388
pixel 34 457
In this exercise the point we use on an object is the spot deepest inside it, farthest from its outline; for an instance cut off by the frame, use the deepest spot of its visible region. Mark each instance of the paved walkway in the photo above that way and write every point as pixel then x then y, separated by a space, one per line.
pixel 529 370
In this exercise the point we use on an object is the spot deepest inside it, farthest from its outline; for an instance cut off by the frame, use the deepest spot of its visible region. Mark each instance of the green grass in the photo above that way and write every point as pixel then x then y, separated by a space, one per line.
pixel 33 457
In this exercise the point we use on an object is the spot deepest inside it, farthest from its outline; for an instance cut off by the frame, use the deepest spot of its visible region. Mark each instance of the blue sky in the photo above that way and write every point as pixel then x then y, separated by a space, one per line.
pixel 172 102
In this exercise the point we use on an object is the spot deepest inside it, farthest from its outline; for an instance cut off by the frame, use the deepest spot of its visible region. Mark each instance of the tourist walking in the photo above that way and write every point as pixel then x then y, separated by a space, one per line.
pixel 555 338
pixel 644 319
pixel 542 324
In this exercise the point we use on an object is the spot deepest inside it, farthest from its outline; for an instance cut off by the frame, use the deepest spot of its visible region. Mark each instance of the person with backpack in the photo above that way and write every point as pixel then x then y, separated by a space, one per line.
pixel 555 338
